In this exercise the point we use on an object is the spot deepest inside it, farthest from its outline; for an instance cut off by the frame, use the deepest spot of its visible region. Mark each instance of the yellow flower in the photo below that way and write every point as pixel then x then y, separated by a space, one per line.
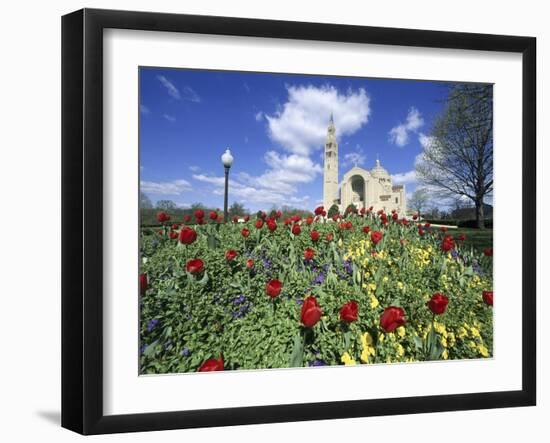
pixel 401 331
pixel 347 360
pixel 475 332
pixel 445 354
pixel 483 350
pixel 386 278
pixel 366 340
pixel 373 302
pixel 462 332
pixel 400 285
pixel 444 342
pixel 451 339
pixel 400 350
pixel 472 344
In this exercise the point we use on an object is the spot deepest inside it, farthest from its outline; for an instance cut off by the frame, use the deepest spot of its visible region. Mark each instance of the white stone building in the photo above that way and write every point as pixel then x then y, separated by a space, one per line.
pixel 364 188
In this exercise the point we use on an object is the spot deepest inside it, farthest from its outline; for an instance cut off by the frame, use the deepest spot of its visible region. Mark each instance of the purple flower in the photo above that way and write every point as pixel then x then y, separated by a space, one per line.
pixel 185 352
pixel 317 362
pixel 152 324
pixel 299 301
pixel 319 280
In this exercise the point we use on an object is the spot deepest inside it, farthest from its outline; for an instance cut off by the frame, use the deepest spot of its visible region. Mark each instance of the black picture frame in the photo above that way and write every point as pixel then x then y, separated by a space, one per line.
pixel 82 218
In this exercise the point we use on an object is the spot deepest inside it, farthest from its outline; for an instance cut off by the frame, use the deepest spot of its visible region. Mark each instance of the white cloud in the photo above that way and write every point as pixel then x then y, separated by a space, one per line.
pixel 354 158
pixel 170 87
pixel 194 168
pixel 174 187
pixel 187 93
pixel 190 94
pixel 301 124
pixel 426 141
pixel 259 116
pixel 170 118
pixel 144 110
pixel 400 133
pixel 276 185
pixel 404 178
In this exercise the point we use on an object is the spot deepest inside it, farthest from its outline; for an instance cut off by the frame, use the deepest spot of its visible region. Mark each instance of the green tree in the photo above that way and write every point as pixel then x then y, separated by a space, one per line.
pixel 458 156
pixel 333 210
pixel 236 209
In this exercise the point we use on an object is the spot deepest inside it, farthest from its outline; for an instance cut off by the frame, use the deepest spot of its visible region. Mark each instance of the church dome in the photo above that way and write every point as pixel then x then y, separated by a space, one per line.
pixel 378 171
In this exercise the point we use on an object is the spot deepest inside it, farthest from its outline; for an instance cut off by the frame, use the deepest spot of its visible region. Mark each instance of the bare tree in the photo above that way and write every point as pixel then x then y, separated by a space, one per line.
pixel 419 200
pixel 458 156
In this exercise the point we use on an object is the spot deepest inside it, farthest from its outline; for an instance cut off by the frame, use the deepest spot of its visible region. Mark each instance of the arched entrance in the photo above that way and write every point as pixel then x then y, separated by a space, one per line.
pixel 357 191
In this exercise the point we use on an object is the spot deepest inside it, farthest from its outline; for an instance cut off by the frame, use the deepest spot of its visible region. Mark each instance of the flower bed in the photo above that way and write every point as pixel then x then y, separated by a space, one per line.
pixel 270 293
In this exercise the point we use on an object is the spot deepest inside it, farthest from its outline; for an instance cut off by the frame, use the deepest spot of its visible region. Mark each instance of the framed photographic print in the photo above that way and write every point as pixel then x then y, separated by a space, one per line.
pixel 256 211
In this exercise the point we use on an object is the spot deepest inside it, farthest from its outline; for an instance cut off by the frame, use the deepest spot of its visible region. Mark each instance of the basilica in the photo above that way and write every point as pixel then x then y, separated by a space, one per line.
pixel 360 187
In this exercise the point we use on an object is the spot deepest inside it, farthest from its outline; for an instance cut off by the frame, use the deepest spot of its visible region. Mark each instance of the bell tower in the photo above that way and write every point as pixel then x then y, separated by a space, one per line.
pixel 330 184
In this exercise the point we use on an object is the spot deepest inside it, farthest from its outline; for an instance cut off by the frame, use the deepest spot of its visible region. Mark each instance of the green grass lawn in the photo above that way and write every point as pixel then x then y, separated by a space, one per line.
pixel 478 238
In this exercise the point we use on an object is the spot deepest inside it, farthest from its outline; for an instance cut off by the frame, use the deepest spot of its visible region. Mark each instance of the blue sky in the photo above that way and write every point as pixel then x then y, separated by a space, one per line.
pixel 275 126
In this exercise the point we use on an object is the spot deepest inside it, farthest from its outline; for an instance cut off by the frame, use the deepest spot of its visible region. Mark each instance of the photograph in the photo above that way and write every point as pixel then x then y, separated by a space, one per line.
pixel 301 221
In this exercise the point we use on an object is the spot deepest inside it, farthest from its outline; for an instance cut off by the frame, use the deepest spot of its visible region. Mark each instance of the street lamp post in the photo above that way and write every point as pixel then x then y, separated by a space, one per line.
pixel 227 160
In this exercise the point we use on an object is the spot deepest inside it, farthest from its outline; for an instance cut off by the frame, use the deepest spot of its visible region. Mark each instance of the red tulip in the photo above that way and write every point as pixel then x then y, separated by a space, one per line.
pixel 349 311
pixel 175 226
pixel 199 214
pixel 250 263
pixel 213 215
pixel 427 225
pixel 392 318
pixel 230 255
pixel 462 237
pixel 235 219
pixel 162 217
pixel 173 235
pixel 394 216
pixel 195 266
pixel 273 288
pixel 245 232
pixel 259 224
pixel 187 218
pixel 488 252
pixel 187 235
pixel 376 236
pixel 314 235
pixel 329 237
pixel 366 229
pixel 319 210
pixel 271 225
pixel 309 254
pixel 448 243
pixel 438 303
pixel 246 218
pixel 311 312
pixel 143 283
pixel 212 364
pixel 309 220
pixel 415 217
pixel 296 229
pixel 279 214
pixel 487 297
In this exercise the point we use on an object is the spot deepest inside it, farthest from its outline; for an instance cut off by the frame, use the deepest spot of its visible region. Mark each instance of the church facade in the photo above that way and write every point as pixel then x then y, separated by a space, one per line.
pixel 360 187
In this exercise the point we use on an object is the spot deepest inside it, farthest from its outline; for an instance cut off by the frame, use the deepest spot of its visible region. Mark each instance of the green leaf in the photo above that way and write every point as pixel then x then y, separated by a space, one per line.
pixel 149 350
pixel 297 356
